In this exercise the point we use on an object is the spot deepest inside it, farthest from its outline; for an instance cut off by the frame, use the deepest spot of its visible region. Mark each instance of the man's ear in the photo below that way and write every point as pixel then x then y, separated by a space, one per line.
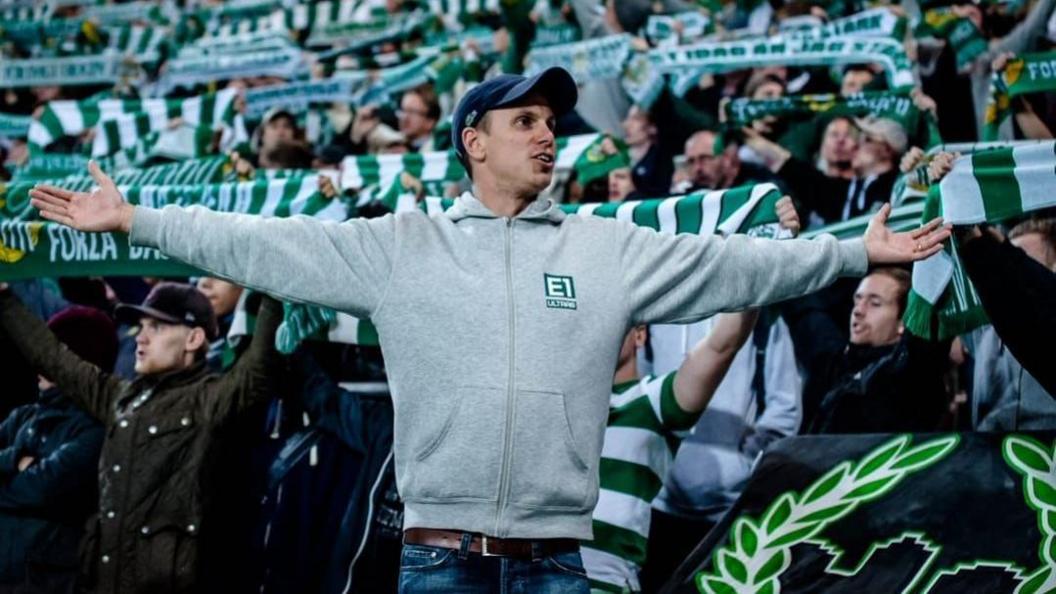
pixel 475 143
pixel 195 339
pixel 901 328
pixel 641 333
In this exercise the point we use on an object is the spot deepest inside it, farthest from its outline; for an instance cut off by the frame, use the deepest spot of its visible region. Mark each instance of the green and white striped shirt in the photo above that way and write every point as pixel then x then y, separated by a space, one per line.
pixel 644 430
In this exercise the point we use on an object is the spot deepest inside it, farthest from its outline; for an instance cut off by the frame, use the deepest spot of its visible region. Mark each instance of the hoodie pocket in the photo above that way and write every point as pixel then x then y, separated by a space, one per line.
pixel 463 459
pixel 547 470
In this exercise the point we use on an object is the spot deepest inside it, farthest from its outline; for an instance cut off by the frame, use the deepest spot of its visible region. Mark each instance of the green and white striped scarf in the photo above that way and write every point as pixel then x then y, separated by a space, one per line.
pixel 688 63
pixel 297 96
pixel 128 12
pixel 204 69
pixel 593 59
pixel 875 22
pixel 462 11
pixel 986 187
pixel 964 37
pixel 208 170
pixel 915 184
pixel 72 118
pixel 256 41
pixel 14 126
pixel 68 71
pixel 897 106
pixel 1027 73
pixel 30 249
pixel 138 42
pixel 660 29
pixel 369 170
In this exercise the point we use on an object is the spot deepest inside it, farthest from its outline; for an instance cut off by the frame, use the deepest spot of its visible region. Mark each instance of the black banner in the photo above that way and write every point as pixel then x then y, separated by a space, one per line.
pixel 925 513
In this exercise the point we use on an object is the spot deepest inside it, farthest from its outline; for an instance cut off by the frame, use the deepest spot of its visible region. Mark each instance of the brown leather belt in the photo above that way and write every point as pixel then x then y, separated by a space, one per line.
pixel 487 546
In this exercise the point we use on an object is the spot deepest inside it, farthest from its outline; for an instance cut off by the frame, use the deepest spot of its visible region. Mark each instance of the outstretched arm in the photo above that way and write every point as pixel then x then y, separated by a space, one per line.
pixel 684 278
pixel 707 364
pixel 344 266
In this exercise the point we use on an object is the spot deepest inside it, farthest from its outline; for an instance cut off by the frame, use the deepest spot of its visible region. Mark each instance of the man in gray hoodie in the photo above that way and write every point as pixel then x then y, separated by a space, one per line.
pixel 501 320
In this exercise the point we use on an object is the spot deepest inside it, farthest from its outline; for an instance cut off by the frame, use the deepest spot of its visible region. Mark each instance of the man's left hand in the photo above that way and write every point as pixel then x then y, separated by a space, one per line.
pixel 25 462
pixel 884 246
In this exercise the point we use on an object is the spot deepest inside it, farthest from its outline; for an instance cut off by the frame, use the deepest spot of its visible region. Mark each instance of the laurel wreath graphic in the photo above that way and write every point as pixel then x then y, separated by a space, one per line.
pixel 1037 464
pixel 760 551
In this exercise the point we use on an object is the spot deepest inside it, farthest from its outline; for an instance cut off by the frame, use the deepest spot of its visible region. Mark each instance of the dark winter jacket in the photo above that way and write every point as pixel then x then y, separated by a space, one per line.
pixel 44 507
pixel 332 519
pixel 1018 295
pixel 154 472
pixel 861 389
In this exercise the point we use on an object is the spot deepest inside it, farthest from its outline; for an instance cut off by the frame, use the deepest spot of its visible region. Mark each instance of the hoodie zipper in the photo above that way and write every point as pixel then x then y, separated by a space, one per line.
pixel 505 478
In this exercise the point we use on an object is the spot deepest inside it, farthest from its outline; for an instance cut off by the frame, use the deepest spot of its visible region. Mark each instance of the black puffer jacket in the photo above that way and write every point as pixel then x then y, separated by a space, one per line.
pixel 44 507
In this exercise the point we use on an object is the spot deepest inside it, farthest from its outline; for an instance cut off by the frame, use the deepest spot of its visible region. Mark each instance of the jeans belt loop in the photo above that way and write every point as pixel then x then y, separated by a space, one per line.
pixel 537 551
pixel 463 550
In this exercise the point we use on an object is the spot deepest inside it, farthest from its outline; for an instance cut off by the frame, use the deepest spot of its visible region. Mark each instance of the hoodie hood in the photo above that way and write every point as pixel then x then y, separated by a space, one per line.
pixel 469 206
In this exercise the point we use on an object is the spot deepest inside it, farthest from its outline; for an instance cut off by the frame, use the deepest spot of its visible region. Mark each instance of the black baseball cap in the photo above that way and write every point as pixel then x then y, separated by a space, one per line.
pixel 555 84
pixel 174 303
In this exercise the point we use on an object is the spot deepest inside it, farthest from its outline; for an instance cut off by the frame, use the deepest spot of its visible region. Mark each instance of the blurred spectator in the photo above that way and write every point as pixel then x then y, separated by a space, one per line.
pixel 839 144
pixel 875 164
pixel 652 167
pixel 857 78
pixel 418 116
pixel 883 380
pixel 277 128
pixel 1017 291
pixel 1006 397
pixel 714 164
pixel 155 483
pixel 223 297
pixel 648 417
pixel 49 451
pixel 757 403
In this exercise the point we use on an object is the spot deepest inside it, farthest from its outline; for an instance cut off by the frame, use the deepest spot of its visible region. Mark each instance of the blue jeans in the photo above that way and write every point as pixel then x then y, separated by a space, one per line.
pixel 437 570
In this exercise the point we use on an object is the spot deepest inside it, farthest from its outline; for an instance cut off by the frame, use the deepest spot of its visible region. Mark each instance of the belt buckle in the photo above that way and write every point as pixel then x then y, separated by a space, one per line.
pixel 484 547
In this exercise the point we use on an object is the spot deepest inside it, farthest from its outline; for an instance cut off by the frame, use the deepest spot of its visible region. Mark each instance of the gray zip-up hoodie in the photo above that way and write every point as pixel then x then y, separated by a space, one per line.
pixel 500 335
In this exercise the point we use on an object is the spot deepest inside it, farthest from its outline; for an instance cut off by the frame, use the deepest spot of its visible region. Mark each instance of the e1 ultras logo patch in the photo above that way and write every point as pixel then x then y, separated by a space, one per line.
pixel 560 291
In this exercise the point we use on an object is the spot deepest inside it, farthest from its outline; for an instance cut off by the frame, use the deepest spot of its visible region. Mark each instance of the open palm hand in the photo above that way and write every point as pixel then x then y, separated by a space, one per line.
pixel 103 209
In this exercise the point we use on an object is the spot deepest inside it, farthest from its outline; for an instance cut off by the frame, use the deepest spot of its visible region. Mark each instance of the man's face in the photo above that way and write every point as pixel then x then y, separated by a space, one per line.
pixel 162 347
pixel 413 117
pixel 637 129
pixel 840 142
pixel 278 130
pixel 518 147
pixel 706 169
pixel 620 184
pixel 855 81
pixel 875 319
pixel 222 295
pixel 872 151
pixel 1036 247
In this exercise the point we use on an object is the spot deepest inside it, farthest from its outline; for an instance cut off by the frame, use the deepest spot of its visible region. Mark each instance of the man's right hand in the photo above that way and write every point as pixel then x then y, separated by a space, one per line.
pixel 25 462
pixel 103 209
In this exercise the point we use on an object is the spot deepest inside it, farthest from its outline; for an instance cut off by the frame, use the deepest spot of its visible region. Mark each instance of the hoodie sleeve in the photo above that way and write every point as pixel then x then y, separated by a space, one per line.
pixel 344 266
pixel 676 279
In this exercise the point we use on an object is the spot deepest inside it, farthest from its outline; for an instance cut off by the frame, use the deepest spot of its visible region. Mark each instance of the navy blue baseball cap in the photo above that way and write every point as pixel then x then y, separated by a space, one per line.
pixel 555 84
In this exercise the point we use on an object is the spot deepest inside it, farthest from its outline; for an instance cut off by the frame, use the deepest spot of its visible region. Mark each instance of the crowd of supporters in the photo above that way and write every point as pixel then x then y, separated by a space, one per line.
pixel 155 439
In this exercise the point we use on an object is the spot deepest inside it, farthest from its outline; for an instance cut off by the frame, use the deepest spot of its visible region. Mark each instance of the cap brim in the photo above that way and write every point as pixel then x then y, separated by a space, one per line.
pixel 130 314
pixel 555 84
